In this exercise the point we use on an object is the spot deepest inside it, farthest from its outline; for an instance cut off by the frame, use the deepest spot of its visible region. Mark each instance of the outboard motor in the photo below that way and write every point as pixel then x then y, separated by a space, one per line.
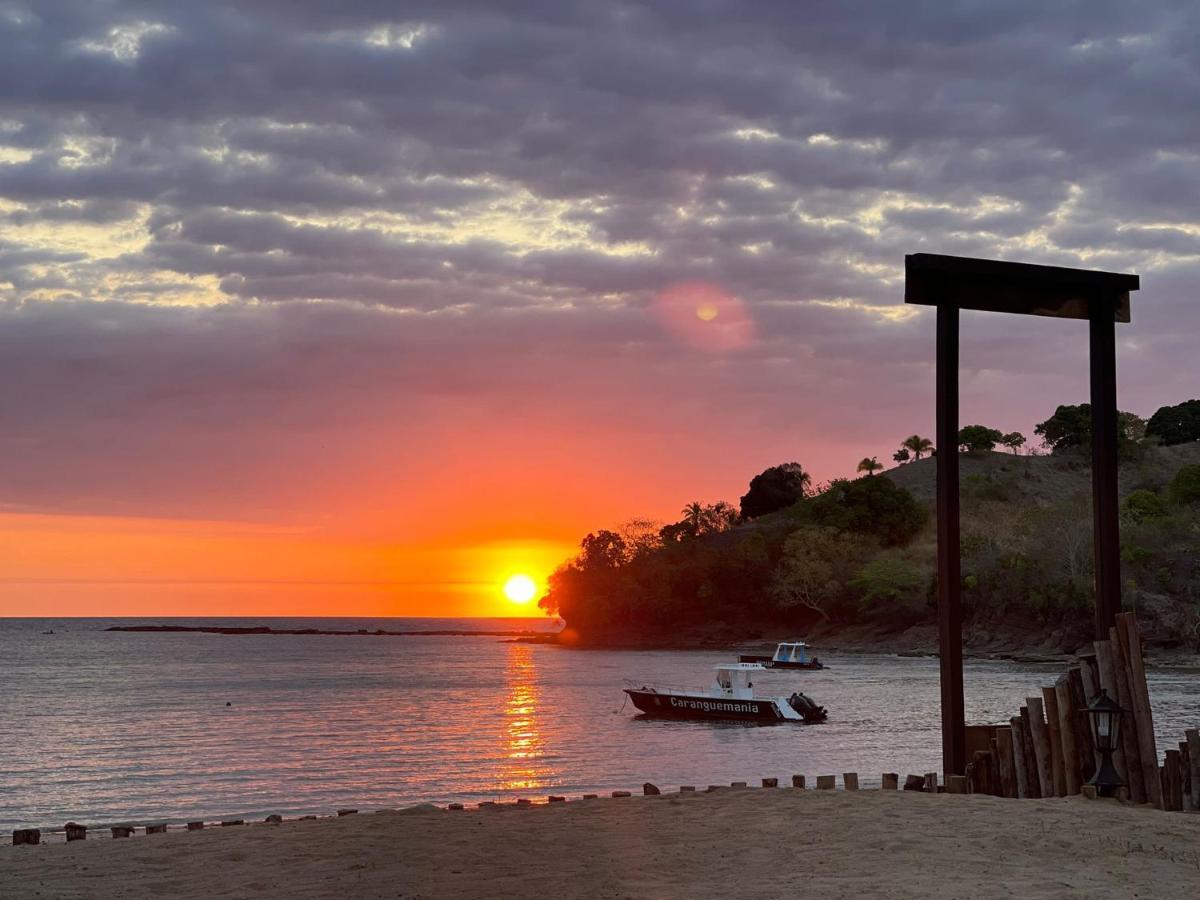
pixel 805 706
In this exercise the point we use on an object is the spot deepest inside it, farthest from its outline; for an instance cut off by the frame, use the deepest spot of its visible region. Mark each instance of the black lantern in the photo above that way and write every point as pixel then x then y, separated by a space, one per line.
pixel 1106 729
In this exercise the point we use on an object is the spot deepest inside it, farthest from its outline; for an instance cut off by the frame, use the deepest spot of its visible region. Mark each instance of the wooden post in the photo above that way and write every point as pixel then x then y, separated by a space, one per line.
pixel 1172 782
pixel 949 569
pixel 1041 745
pixel 956 784
pixel 1185 774
pixel 891 781
pixel 1106 671
pixel 1062 693
pixel 1058 770
pixel 931 782
pixel 1140 697
pixel 1018 745
pixel 826 782
pixel 1004 750
pixel 195 826
pixel 914 783
pixel 850 781
pixel 1033 780
pixel 1085 746
pixel 1090 676
pixel 27 836
pixel 1130 753
pixel 161 828
pixel 1193 742
pixel 770 782
pixel 798 781
pixel 1106 533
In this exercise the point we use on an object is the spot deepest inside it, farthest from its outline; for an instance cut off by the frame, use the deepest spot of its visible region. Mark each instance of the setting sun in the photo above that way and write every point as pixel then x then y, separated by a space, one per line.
pixel 520 589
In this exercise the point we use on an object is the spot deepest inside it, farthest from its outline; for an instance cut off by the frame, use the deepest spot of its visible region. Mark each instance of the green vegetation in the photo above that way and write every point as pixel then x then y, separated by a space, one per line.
pixel 1176 424
pixel 862 551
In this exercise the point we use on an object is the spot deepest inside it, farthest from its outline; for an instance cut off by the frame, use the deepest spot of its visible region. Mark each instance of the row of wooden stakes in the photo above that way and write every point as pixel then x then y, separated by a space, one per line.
pixel 76 832
pixel 1049 749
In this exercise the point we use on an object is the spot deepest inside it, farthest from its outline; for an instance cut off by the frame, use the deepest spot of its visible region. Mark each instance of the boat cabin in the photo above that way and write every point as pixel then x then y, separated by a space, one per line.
pixel 791 652
pixel 736 680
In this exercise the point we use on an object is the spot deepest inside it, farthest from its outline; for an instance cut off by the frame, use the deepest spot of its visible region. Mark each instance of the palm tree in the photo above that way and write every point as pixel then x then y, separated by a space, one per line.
pixel 693 517
pixel 870 465
pixel 917 445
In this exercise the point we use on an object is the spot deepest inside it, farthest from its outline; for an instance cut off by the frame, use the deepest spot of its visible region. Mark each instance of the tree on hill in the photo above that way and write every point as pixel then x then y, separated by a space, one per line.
pixel 813 566
pixel 917 445
pixel 869 506
pixel 1014 440
pixel 775 488
pixel 978 439
pixel 901 456
pixel 1071 426
pixel 1185 486
pixel 699 519
pixel 870 465
pixel 1179 424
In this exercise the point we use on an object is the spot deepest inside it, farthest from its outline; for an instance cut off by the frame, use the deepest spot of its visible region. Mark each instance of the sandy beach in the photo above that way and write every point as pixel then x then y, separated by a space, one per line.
pixel 731 843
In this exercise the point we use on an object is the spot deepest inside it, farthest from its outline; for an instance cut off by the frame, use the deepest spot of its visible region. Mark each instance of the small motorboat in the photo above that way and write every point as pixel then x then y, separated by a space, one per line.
pixel 788 655
pixel 731 696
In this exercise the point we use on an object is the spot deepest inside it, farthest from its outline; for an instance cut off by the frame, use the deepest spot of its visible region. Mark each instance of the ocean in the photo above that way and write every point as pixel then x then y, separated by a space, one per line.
pixel 101 727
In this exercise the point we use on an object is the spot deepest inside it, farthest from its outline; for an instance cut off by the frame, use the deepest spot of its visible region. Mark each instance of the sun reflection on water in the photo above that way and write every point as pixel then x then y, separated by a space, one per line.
pixel 523 765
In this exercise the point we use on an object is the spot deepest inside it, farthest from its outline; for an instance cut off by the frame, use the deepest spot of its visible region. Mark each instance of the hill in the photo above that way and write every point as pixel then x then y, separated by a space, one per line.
pixel 854 564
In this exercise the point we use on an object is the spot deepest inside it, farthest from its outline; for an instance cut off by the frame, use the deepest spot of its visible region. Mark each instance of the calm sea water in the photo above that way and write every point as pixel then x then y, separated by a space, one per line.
pixel 102 727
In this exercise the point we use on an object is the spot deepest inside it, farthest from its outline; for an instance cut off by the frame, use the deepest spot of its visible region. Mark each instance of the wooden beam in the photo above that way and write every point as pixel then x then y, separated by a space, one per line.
pixel 949 578
pixel 1143 719
pixel 1105 522
pixel 1134 777
pixel 1041 746
pixel 1062 692
pixel 1004 750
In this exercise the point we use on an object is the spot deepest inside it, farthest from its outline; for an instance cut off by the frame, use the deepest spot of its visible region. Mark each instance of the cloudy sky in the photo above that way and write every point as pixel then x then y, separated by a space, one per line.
pixel 355 306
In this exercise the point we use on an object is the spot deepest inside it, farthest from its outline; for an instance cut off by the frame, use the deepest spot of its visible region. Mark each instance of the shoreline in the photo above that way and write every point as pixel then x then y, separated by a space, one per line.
pixel 756 842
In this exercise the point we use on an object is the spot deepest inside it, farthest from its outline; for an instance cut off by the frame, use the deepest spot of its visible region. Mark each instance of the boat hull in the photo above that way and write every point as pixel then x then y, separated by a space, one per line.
pixel 688 706
pixel 769 663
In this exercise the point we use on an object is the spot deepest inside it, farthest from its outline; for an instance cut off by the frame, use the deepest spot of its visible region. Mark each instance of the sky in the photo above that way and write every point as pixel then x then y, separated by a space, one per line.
pixel 358 308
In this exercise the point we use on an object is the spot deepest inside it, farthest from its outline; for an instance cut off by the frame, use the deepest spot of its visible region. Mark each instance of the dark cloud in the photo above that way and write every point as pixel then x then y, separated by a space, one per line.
pixel 414 197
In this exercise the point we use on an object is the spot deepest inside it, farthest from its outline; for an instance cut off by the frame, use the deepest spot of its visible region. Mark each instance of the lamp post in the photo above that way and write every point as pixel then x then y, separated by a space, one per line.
pixel 1106 728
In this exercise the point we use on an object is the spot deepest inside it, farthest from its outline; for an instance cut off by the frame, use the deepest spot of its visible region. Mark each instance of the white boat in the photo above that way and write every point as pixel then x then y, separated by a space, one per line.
pixel 731 696
pixel 788 655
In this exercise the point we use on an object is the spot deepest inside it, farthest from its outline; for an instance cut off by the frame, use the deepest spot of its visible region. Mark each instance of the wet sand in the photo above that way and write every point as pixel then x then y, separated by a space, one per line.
pixel 732 843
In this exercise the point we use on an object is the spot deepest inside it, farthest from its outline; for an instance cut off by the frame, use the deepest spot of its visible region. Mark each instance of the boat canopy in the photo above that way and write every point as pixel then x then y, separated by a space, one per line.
pixel 735 679
pixel 791 652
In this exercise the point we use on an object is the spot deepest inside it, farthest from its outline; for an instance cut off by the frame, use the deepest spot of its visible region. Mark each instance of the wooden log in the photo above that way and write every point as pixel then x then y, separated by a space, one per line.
pixel 615 794
pixel 161 828
pixel 738 784
pixel 1058 771
pixel 454 807
pixel 1004 750
pixel 1018 745
pixel 1041 745
pixel 1033 782
pixel 798 781
pixel 26 836
pixel 1130 754
pixel 770 782
pixel 229 823
pixel 1062 693
pixel 891 781
pixel 850 781
pixel 347 812
pixel 1173 782
pixel 650 790
pixel 1193 742
pixel 931 782
pixel 1185 774
pixel 195 826
pixel 597 796
pixel 1085 745
pixel 994 771
pixel 826 782
pixel 1143 718
pixel 1089 675
pixel 956 784
pixel 1108 683
pixel 525 801
pixel 75 832
pixel 914 783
